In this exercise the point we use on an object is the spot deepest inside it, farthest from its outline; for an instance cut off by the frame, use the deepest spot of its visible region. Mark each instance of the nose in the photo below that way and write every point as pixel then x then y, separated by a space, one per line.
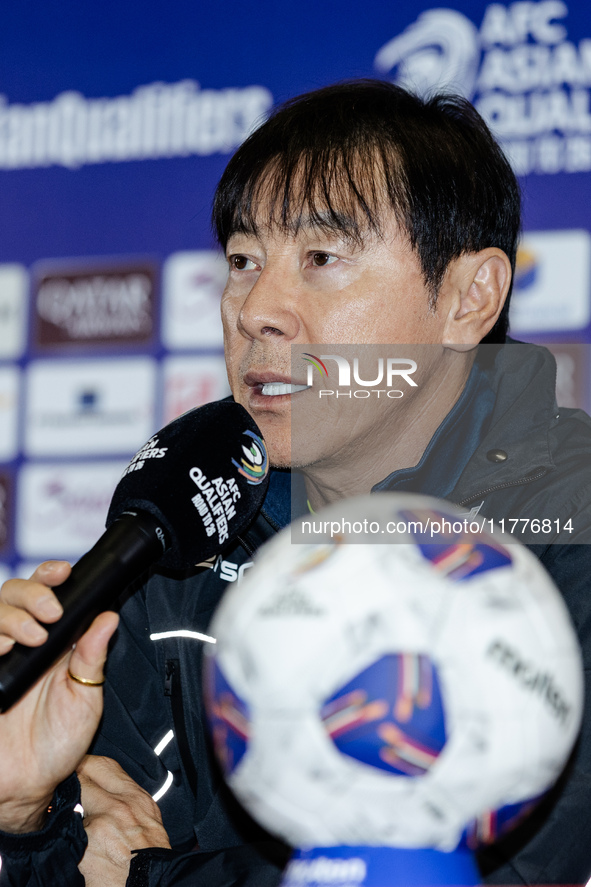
pixel 270 308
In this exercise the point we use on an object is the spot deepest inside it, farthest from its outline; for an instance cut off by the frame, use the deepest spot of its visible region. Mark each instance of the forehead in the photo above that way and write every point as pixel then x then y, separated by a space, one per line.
pixel 344 196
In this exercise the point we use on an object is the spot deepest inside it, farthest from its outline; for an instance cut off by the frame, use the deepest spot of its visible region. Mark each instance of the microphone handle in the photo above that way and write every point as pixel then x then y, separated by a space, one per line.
pixel 125 550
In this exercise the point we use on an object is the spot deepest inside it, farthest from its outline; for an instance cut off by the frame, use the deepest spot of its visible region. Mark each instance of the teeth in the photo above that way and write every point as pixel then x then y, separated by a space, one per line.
pixel 272 389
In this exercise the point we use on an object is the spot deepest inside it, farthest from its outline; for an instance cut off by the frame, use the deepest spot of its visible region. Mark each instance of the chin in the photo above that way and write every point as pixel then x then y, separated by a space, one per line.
pixel 278 447
pixel 281 463
pixel 278 458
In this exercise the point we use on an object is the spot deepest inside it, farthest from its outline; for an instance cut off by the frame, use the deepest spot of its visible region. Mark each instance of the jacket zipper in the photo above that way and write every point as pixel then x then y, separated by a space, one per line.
pixel 248 548
pixel 172 689
pixel 514 483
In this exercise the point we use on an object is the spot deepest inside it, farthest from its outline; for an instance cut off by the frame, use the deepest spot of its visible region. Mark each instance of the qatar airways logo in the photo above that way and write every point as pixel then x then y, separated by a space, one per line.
pixel 389 372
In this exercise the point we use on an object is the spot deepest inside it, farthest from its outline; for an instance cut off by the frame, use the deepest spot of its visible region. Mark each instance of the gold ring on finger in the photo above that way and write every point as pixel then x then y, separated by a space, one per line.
pixel 86 682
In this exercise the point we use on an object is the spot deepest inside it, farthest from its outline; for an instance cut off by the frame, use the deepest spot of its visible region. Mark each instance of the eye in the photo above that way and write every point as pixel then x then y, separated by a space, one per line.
pixel 241 263
pixel 321 259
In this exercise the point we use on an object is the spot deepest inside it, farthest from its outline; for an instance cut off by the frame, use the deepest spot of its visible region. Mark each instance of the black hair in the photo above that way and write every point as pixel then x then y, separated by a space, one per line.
pixel 337 156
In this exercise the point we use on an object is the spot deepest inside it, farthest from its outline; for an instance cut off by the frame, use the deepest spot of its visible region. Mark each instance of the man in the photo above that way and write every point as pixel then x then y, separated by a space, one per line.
pixel 358 214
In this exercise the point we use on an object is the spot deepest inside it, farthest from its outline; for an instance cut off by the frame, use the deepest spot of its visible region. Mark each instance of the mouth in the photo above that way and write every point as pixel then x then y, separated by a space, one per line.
pixel 274 389
pixel 267 385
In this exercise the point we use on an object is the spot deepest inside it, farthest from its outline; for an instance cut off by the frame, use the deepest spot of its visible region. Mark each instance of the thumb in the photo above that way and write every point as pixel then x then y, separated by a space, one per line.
pixel 89 655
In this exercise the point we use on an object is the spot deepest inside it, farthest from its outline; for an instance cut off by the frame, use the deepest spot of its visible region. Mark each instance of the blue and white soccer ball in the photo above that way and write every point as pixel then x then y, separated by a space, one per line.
pixel 392 694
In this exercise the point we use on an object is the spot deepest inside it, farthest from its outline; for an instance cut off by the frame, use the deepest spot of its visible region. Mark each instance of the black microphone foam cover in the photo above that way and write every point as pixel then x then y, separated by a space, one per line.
pixel 204 477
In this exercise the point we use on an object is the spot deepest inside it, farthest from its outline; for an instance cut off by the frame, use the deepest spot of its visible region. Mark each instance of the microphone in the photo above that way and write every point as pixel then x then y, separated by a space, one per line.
pixel 188 492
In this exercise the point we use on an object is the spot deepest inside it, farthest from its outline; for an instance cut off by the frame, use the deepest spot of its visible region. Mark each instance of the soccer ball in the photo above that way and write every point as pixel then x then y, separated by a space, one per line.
pixel 392 694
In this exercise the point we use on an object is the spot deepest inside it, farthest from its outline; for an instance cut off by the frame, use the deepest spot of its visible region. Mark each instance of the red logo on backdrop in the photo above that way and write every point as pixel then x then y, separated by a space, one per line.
pixel 5 510
pixel 94 304
pixel 185 394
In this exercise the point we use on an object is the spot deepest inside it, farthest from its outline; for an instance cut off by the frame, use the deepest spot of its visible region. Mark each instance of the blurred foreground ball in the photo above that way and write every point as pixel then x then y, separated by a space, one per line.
pixel 392 694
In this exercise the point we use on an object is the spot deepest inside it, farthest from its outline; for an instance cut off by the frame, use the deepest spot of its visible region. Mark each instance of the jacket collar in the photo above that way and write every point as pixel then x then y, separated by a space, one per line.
pixel 523 378
pixel 447 453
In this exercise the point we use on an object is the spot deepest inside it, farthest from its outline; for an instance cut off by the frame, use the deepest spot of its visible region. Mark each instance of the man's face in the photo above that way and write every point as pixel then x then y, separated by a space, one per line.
pixel 314 288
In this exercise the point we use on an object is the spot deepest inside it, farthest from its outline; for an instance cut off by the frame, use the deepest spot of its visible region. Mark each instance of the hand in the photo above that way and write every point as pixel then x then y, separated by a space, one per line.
pixel 45 735
pixel 119 817
pixel 24 603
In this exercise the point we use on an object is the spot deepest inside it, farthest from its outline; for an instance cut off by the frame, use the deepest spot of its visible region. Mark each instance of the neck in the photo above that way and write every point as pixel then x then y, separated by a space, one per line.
pixel 397 442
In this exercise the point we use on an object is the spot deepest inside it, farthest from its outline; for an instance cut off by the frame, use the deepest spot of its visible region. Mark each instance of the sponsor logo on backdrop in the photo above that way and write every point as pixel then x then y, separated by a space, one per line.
pixel 519 68
pixel 9 388
pixel 156 120
pixel 100 305
pixel 192 381
pixel 192 284
pixel 14 283
pixel 552 282
pixel 5 510
pixel 82 407
pixel 62 508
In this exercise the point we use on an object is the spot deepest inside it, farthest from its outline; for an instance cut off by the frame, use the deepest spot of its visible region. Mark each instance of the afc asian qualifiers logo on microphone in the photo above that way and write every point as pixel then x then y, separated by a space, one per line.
pixel 255 464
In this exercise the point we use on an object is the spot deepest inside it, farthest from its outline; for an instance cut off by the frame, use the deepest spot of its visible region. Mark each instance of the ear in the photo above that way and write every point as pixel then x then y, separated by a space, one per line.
pixel 474 292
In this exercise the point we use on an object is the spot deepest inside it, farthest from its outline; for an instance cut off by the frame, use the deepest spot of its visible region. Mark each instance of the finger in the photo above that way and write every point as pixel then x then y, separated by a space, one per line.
pixel 35 595
pixel 6 644
pixel 99 869
pixel 52 572
pixel 98 768
pixel 88 658
pixel 47 576
pixel 94 798
pixel 108 774
pixel 26 602
pixel 19 625
pixel 122 826
pixel 85 767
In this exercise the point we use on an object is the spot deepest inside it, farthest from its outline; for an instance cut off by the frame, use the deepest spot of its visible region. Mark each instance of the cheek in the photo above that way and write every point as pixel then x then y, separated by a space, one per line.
pixel 233 356
pixel 353 321
pixel 228 312
pixel 234 375
pixel 382 315
pixel 232 342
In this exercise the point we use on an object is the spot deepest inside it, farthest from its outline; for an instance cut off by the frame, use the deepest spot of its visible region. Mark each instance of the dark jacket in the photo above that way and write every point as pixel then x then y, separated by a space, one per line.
pixel 505 451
